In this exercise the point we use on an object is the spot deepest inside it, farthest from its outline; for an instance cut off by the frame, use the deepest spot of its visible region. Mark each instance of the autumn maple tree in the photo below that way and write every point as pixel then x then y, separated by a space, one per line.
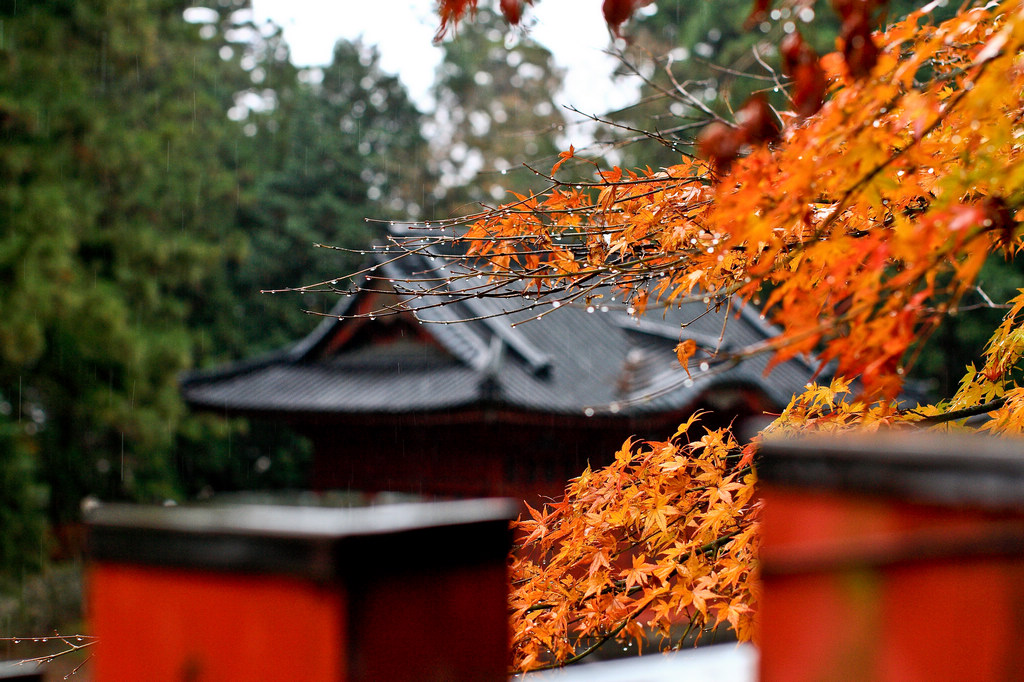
pixel 857 220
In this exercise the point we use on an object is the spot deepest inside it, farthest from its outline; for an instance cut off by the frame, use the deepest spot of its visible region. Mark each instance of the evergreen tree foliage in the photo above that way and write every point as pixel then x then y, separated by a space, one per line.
pixel 496 110
pixel 117 203
pixel 23 540
pixel 350 148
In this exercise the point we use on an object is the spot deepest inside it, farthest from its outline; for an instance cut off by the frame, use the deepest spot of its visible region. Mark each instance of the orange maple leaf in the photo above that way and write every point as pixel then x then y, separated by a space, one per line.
pixel 562 158
pixel 685 351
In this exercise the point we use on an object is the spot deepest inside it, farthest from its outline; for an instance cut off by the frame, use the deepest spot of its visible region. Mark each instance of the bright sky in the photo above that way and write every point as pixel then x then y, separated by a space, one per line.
pixel 573 30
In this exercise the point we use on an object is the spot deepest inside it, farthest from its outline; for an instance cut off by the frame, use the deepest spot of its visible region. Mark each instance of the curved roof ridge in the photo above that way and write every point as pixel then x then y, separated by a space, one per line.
pixel 539 362
pixel 307 344
pixel 232 369
pixel 479 314
pixel 758 321
pixel 665 330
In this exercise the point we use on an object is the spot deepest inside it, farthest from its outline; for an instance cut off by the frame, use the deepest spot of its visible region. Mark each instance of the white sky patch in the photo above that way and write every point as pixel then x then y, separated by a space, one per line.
pixel 403 30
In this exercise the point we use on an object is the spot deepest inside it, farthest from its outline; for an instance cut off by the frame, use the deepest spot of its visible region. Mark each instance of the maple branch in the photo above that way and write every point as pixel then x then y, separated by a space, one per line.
pixel 842 204
pixel 703 550
pixel 593 647
pixel 955 415
pixel 640 133
pixel 687 96
pixel 70 648
pixel 774 75
pixel 690 625
pixel 637 610
pixel 736 72
pixel 682 517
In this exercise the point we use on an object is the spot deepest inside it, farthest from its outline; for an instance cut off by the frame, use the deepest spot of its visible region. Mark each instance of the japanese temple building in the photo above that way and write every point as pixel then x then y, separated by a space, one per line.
pixel 469 399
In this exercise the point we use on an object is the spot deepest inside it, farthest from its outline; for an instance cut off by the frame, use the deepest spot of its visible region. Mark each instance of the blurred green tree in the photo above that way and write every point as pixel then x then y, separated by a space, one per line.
pixel 117 200
pixel 350 148
pixel 496 109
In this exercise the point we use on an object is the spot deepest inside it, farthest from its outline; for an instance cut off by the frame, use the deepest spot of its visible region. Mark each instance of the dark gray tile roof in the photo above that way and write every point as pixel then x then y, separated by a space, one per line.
pixel 515 352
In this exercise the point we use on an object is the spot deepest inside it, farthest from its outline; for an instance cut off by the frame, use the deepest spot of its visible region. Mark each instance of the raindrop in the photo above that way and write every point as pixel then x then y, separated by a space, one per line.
pixel 614 407
pixel 604 309
pixel 556 304
pixel 589 411
pixel 688 383
pixel 704 366
pixel 630 310
pixel 590 308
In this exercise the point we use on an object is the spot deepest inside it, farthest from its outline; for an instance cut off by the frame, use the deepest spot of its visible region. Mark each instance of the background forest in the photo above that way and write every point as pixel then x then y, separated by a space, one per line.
pixel 160 165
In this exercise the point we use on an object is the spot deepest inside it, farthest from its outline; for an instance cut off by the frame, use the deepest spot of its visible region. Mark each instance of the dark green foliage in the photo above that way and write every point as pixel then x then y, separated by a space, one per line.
pixel 496 111
pixel 350 148
pixel 113 201
pixel 155 174
pixel 961 338
pixel 215 455
pixel 23 542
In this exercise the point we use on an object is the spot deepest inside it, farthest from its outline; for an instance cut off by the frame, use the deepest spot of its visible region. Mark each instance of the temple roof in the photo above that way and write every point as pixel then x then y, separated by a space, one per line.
pixel 521 353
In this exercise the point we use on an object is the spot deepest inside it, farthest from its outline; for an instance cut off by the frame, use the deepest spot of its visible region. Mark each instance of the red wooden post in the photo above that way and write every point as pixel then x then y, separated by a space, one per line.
pixel 896 557
pixel 402 592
